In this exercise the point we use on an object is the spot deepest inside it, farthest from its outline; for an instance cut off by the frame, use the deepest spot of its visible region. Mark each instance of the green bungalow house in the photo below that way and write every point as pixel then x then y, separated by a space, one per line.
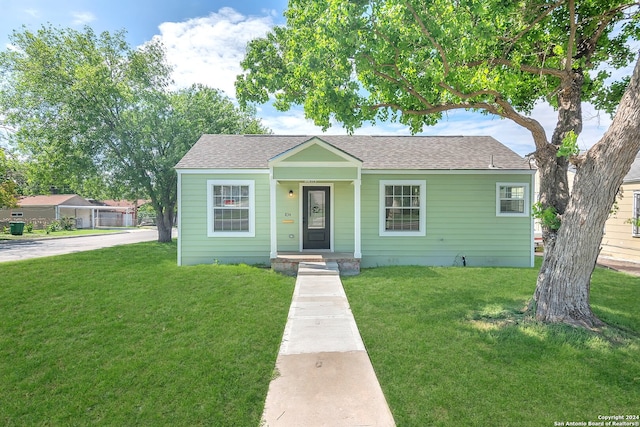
pixel 361 200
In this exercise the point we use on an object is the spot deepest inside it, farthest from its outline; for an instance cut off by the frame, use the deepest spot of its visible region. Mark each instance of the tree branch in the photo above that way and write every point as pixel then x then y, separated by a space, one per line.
pixel 433 41
pixel 538 19
pixel 572 36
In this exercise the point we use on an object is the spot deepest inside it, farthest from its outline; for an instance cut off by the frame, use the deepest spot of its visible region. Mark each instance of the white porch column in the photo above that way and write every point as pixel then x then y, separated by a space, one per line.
pixel 357 251
pixel 272 215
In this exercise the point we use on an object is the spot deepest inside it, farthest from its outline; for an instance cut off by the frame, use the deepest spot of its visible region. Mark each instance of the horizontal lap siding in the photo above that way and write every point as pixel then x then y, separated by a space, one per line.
pixel 343 214
pixel 197 248
pixel 461 221
pixel 618 241
pixel 288 216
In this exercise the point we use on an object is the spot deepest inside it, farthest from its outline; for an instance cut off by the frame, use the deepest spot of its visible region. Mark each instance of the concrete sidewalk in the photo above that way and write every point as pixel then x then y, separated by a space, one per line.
pixel 324 375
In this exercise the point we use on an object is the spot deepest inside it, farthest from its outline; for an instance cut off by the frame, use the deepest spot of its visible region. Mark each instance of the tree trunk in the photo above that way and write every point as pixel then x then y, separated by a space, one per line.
pixel 164 222
pixel 563 287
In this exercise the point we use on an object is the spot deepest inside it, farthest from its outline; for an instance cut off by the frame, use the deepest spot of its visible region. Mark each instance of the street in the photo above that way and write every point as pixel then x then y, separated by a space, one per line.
pixel 15 250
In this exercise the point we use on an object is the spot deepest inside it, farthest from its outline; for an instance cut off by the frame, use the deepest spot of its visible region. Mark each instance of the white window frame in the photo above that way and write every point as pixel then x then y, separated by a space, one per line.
pixel 17 215
pixel 423 208
pixel 252 209
pixel 527 202
pixel 635 231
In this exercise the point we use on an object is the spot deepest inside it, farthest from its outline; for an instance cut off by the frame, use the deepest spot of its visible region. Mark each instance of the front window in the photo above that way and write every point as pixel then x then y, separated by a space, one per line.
pixel 635 222
pixel 512 199
pixel 402 208
pixel 230 208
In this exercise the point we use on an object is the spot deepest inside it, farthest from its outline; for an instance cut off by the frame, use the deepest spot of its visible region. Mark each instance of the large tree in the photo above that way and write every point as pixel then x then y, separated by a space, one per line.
pixel 412 60
pixel 8 195
pixel 97 115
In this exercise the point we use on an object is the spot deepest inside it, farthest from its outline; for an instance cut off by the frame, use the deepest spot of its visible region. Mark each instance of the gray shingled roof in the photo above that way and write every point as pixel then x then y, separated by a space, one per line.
pixel 376 152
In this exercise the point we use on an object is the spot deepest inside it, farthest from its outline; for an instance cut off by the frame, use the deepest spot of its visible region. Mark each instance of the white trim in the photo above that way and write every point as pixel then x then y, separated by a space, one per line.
pixel 273 232
pixel 344 164
pixel 367 171
pixel 252 208
pixel 331 214
pixel 382 208
pixel 179 219
pixel 222 171
pixel 357 244
pixel 448 172
pixel 279 158
pixel 526 199
pixel 319 181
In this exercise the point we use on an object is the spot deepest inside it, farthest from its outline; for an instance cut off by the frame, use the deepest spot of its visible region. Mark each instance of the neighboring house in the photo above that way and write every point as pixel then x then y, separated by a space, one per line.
pixel 621 239
pixel 380 200
pixel 126 214
pixel 42 210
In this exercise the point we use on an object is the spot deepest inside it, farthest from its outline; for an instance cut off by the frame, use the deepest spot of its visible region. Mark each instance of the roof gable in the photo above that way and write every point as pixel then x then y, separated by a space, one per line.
pixel 314 150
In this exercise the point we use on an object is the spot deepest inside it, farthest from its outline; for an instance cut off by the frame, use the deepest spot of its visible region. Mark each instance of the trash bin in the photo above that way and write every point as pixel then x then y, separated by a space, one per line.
pixel 17 228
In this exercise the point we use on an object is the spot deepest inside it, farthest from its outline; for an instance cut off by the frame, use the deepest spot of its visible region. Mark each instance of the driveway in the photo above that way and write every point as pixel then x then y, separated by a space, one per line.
pixel 15 250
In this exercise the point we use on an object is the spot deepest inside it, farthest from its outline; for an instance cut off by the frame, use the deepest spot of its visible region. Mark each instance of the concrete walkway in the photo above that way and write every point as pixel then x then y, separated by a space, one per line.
pixel 324 375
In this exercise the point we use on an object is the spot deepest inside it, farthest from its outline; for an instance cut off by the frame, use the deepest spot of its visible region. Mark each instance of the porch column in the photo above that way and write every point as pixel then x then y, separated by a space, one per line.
pixel 272 215
pixel 357 252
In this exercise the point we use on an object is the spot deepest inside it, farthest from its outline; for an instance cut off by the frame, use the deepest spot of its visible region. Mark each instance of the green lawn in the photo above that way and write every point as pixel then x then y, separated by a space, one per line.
pixel 122 336
pixel 451 348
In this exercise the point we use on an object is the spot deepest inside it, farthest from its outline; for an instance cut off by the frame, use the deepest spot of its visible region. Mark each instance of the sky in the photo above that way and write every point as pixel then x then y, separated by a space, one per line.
pixel 206 40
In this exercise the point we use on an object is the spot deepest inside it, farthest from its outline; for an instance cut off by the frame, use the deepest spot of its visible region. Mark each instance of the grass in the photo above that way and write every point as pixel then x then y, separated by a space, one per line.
pixel 42 234
pixel 122 336
pixel 451 347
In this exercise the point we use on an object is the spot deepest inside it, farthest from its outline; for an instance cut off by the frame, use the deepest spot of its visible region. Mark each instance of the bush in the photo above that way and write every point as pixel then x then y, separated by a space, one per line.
pixel 53 227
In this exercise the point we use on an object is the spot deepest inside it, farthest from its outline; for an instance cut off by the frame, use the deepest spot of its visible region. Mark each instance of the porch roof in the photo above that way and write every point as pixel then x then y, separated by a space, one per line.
pixel 376 152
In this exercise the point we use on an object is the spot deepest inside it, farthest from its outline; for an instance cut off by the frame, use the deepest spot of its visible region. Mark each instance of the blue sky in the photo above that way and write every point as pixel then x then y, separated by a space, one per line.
pixel 206 39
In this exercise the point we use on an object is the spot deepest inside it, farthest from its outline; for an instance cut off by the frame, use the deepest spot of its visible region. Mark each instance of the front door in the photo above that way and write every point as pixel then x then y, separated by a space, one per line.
pixel 316 232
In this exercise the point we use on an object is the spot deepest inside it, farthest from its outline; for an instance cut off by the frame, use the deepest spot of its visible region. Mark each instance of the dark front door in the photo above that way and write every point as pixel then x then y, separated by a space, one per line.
pixel 315 213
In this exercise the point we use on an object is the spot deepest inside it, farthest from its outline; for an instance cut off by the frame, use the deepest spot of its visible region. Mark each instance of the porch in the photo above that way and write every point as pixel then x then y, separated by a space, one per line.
pixel 287 262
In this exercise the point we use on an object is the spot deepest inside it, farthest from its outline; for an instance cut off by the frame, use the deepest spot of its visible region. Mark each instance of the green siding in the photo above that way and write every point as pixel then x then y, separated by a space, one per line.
pixel 344 217
pixel 460 221
pixel 315 153
pixel 288 216
pixel 197 248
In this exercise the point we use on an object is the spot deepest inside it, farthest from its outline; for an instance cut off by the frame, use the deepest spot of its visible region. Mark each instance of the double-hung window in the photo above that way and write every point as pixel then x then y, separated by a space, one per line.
pixel 402 208
pixel 636 214
pixel 230 208
pixel 512 199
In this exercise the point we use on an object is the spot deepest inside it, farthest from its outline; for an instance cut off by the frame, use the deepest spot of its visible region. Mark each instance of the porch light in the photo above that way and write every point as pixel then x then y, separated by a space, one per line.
pixel 290 193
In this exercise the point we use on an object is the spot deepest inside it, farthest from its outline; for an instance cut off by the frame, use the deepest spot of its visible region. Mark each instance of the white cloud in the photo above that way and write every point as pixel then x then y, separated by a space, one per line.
pixel 82 18
pixel 34 13
pixel 208 50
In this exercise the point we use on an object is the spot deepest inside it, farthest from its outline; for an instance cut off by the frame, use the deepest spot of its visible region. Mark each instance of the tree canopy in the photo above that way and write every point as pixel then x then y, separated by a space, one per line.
pixel 352 61
pixel 102 117
pixel 8 196
pixel 413 60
